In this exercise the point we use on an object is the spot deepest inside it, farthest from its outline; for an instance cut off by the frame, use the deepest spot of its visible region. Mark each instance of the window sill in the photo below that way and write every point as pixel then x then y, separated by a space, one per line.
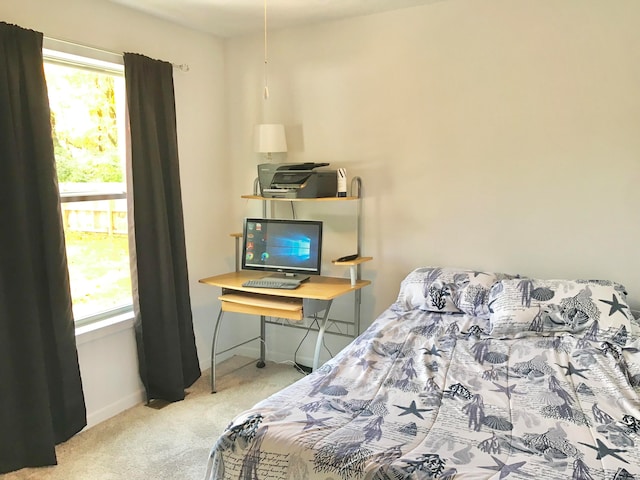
pixel 104 328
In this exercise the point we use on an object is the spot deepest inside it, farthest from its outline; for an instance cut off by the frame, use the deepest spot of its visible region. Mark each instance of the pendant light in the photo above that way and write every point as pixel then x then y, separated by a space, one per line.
pixel 268 138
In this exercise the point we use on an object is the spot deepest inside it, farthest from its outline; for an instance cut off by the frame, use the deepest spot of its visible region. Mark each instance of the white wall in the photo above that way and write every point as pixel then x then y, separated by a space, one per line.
pixel 108 360
pixel 499 135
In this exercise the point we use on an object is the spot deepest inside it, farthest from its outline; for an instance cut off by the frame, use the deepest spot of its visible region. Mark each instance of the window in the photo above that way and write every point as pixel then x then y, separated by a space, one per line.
pixel 87 100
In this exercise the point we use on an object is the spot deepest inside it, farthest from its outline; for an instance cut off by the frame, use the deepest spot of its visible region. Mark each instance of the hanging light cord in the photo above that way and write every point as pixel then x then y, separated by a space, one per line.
pixel 266 87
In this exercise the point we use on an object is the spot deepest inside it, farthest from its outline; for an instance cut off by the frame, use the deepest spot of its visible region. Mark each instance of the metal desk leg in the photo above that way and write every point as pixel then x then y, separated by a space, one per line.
pixel 214 342
pixel 323 327
pixel 263 339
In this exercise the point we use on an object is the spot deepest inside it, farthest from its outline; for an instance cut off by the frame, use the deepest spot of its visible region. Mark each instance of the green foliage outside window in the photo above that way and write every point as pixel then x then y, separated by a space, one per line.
pixel 84 126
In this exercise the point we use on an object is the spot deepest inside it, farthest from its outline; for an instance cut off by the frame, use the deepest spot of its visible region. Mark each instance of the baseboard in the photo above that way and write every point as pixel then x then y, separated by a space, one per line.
pixel 94 418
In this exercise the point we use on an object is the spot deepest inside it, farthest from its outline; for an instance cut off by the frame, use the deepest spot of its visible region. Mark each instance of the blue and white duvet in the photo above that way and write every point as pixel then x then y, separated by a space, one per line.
pixel 461 378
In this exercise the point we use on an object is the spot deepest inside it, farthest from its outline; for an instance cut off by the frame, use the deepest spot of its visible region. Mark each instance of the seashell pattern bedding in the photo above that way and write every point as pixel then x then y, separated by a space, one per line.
pixel 468 375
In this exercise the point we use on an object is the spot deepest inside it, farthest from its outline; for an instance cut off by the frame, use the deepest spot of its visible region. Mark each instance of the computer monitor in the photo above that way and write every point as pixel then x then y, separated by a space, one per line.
pixel 291 248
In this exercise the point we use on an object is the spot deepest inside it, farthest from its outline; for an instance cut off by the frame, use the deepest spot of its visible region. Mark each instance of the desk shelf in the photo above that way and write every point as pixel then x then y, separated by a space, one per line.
pixel 320 199
pixel 355 261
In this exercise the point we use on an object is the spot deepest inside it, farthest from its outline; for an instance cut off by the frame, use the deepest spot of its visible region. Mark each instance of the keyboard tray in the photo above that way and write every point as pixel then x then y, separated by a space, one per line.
pixel 259 300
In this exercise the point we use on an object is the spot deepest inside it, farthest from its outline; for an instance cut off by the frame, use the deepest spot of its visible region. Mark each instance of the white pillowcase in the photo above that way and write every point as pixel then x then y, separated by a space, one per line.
pixel 525 307
pixel 449 290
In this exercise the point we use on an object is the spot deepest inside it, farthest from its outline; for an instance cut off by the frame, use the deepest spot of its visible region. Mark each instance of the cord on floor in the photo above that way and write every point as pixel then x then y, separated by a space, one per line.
pixel 303 369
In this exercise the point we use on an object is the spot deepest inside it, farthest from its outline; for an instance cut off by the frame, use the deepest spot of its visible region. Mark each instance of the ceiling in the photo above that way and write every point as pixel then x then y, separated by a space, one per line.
pixel 229 18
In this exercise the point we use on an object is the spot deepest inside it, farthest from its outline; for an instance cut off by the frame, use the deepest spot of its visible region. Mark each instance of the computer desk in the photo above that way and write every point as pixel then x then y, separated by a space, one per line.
pixel 310 298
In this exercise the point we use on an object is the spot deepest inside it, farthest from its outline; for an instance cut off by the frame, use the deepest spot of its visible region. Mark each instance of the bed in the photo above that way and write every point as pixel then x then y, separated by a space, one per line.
pixel 467 375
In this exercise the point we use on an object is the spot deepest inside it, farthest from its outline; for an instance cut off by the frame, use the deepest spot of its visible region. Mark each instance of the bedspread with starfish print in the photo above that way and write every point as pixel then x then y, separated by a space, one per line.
pixel 433 395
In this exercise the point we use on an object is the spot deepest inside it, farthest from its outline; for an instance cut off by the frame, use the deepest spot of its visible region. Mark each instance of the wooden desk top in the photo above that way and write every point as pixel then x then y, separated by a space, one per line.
pixel 317 287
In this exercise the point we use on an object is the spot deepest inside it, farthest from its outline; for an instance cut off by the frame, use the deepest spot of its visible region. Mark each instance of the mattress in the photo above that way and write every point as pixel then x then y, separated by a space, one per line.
pixel 516 378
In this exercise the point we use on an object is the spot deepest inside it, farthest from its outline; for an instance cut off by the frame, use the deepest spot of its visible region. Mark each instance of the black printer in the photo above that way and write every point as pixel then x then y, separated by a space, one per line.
pixel 297 180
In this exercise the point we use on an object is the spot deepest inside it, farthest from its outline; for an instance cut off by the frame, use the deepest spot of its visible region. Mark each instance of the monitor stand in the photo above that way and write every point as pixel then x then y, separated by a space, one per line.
pixel 289 277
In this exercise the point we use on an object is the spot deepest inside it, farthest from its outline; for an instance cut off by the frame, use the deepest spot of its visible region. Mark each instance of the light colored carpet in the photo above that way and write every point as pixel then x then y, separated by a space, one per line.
pixel 171 443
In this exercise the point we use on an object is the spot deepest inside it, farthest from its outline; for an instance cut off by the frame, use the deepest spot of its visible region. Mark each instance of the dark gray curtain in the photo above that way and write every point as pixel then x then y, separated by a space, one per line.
pixel 41 399
pixel 164 327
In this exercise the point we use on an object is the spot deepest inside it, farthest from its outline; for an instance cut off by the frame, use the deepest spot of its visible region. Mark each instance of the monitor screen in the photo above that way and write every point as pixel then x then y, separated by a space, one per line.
pixel 287 246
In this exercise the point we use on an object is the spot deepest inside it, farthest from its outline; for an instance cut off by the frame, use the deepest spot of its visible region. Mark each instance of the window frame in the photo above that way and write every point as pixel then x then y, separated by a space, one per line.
pixel 93 59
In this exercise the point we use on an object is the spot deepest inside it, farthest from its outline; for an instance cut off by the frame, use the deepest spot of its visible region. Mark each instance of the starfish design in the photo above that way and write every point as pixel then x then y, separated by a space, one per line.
pixel 413 409
pixel 603 450
pixel 616 306
pixel 366 363
pixel 508 390
pixel 573 370
pixel 432 351
pixel 313 422
pixel 505 469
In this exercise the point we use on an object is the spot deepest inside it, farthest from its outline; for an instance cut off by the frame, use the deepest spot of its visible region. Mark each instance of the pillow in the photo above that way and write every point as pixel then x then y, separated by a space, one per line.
pixel 526 307
pixel 448 290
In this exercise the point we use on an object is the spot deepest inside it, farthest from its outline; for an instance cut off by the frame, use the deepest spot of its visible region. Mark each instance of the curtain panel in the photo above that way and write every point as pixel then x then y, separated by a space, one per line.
pixel 167 353
pixel 41 398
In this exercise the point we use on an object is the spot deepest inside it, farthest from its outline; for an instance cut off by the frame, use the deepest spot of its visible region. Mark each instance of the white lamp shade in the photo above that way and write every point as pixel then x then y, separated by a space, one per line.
pixel 269 138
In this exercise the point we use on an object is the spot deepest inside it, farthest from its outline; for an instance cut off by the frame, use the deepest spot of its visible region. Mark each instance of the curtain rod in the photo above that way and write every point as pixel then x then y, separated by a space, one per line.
pixel 183 67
